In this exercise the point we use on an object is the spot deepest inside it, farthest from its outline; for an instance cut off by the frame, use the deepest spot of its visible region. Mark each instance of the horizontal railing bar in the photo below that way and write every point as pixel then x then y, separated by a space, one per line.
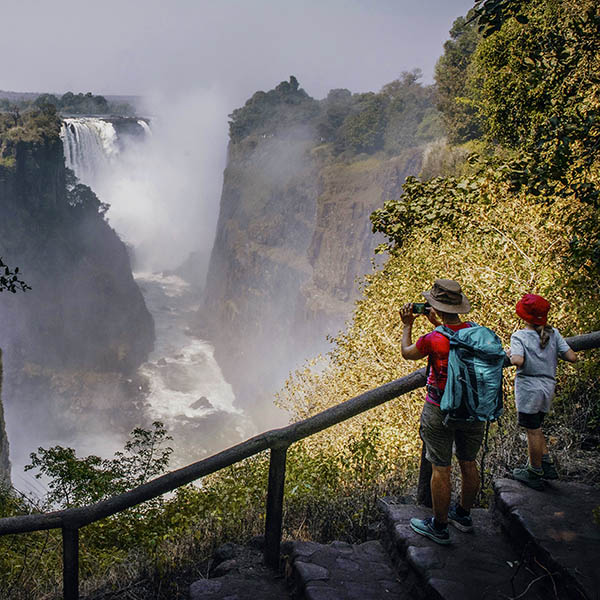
pixel 275 438
pixel 586 341
pixel 78 517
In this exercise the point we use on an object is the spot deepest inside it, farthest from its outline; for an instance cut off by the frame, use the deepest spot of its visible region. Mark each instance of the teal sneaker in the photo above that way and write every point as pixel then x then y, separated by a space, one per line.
pixel 550 471
pixel 529 478
pixel 463 523
pixel 425 527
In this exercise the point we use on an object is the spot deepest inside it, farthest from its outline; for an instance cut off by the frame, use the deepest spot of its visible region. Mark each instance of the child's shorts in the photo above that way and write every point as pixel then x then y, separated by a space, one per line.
pixel 531 421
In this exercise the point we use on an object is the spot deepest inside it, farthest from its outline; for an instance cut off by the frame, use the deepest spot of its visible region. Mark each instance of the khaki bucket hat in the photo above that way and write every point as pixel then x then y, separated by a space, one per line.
pixel 446 295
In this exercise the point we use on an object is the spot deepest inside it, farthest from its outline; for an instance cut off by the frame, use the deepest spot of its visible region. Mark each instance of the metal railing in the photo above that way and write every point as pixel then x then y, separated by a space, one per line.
pixel 277 441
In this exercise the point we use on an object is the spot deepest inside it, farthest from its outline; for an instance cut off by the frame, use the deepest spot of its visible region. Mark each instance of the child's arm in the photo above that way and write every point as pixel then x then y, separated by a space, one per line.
pixel 516 352
pixel 517 360
pixel 564 351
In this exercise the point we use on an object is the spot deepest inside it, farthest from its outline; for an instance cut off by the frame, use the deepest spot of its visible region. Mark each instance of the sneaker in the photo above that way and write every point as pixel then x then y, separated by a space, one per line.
pixel 529 478
pixel 462 523
pixel 425 527
pixel 550 471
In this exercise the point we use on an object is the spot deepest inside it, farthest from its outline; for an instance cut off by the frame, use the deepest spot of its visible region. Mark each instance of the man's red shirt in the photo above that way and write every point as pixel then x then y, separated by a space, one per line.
pixel 437 347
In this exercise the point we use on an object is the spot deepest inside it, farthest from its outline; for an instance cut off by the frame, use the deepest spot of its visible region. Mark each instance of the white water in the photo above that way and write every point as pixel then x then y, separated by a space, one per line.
pixel 145 126
pixel 90 147
pixel 187 389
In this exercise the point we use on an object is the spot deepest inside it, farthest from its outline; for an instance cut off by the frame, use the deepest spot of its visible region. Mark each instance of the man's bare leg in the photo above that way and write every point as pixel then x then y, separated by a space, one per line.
pixel 469 483
pixel 440 493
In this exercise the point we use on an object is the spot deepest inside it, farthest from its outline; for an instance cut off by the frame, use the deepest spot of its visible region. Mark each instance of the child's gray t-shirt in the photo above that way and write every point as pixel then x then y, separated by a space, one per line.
pixel 535 380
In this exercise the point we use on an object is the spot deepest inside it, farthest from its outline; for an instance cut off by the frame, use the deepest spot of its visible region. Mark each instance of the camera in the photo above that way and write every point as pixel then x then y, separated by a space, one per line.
pixel 420 308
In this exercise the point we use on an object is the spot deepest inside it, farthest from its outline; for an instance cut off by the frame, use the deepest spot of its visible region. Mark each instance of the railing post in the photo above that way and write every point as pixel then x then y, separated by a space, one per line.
pixel 275 506
pixel 424 484
pixel 70 563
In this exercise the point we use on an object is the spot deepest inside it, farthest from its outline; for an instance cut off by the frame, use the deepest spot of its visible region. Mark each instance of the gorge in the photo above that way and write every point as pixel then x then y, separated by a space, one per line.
pixel 292 238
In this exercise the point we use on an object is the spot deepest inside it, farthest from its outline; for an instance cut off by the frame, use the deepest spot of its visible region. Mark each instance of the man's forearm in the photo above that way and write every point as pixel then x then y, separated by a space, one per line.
pixel 406 338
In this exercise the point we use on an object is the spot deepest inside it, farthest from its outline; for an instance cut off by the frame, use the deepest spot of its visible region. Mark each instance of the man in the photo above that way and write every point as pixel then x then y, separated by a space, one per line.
pixel 446 302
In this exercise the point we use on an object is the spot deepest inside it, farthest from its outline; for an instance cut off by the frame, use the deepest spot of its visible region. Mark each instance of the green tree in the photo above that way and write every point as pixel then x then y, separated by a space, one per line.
pixel 461 119
pixel 409 104
pixel 363 130
pixel 82 198
pixel 74 481
pixel 266 112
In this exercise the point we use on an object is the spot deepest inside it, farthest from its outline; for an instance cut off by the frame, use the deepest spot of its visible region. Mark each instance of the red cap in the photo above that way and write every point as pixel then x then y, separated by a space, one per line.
pixel 533 309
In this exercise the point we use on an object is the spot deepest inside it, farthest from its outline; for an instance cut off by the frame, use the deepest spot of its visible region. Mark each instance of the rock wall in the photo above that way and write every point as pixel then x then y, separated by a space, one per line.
pixel 4 461
pixel 292 238
pixel 84 309
pixel 84 314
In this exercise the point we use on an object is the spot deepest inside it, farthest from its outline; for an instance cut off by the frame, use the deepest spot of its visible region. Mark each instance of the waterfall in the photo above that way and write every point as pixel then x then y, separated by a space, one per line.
pixel 90 146
pixel 145 126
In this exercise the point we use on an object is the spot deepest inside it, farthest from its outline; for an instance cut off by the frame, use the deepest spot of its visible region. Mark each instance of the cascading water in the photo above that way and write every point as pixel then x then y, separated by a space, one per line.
pixel 145 126
pixel 187 391
pixel 90 145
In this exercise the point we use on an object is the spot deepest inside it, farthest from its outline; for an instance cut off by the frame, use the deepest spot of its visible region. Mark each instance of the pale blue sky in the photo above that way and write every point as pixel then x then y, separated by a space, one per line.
pixel 137 47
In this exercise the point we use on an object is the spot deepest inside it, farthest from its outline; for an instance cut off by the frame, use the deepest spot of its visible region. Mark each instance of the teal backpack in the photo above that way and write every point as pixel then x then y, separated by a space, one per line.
pixel 473 390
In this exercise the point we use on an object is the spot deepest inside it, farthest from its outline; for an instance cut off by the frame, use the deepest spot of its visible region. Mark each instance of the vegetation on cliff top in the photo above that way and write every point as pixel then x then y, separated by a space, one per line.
pixel 69 104
pixel 29 126
pixel 401 115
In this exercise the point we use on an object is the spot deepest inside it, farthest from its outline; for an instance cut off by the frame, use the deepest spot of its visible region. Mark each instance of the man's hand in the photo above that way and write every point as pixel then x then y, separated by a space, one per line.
pixel 409 350
pixel 406 314
pixel 433 317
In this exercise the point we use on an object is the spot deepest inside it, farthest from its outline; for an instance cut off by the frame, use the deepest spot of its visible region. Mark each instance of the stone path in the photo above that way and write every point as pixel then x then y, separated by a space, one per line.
pixel 558 527
pixel 341 571
pixel 476 565
pixel 238 573
pixel 529 546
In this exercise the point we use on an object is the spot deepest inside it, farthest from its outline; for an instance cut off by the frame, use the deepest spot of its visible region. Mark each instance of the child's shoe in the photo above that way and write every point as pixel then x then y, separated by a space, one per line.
pixel 530 477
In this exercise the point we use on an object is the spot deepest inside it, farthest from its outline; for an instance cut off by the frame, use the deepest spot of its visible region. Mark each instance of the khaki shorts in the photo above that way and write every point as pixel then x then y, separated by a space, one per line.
pixel 438 438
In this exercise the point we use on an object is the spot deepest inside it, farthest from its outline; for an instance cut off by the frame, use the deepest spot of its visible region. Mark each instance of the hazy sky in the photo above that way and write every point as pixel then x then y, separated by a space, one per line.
pixel 237 46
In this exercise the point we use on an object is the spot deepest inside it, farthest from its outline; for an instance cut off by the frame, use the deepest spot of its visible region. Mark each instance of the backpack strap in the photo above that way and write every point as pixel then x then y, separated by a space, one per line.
pixel 432 391
pixel 445 331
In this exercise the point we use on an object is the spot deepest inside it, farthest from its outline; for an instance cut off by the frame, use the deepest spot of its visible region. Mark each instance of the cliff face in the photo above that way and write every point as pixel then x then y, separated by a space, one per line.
pixel 342 243
pixel 84 312
pixel 293 236
pixel 4 461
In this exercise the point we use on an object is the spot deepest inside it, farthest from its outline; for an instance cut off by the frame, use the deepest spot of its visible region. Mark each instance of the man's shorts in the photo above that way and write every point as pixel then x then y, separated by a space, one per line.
pixel 438 438
pixel 531 421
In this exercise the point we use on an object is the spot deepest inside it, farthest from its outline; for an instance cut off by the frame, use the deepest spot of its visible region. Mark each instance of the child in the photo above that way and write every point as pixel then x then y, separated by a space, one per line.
pixel 535 350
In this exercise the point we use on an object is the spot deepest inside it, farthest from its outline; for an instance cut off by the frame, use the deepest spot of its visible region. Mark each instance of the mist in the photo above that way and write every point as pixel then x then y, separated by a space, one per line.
pixel 164 193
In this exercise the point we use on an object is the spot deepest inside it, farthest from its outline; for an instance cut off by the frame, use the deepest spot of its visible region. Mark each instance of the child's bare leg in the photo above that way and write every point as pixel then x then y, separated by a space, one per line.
pixel 536 445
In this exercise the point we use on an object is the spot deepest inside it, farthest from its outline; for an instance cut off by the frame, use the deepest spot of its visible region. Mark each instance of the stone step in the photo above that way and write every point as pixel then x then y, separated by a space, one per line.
pixel 475 566
pixel 238 573
pixel 341 571
pixel 557 527
pixel 530 546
